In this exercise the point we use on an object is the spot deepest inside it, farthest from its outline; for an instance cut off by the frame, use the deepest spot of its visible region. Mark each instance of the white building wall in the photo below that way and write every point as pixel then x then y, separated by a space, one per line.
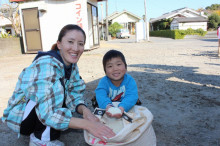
pixel 124 18
pixel 183 26
pixel 53 15
pixel 196 25
pixel 174 25
pixel 6 24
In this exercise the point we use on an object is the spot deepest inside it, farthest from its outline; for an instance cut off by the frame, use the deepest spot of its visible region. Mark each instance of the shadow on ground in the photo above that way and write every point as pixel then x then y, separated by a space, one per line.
pixel 185 105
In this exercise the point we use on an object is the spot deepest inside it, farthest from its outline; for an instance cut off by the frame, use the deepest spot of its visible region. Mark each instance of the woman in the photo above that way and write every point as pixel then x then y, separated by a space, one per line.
pixel 50 90
pixel 218 34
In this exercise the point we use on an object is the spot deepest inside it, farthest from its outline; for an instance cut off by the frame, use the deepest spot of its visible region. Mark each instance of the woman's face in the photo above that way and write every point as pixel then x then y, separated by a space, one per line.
pixel 71 46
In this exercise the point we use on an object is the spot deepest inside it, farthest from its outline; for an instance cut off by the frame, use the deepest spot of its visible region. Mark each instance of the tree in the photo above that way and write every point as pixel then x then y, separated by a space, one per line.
pixel 214 20
pixel 114 28
pixel 11 12
pixel 213 7
pixel 162 24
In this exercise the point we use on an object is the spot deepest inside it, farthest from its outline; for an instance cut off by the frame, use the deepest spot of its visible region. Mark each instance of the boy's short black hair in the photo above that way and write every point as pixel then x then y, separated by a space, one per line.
pixel 113 54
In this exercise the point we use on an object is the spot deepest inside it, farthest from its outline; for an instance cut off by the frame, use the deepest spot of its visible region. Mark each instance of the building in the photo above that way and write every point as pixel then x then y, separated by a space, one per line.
pixel 189 15
pixel 125 18
pixel 6 26
pixel 41 21
pixel 5 23
pixel 184 23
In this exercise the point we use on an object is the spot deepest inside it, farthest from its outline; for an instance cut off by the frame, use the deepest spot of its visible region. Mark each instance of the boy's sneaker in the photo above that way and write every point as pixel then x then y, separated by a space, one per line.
pixel 37 142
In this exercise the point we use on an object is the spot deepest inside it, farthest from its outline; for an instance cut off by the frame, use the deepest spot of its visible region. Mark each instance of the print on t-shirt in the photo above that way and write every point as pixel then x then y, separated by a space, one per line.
pixel 116 95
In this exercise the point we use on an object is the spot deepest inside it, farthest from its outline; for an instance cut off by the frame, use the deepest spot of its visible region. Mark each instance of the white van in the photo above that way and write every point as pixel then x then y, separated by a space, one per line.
pixel 123 33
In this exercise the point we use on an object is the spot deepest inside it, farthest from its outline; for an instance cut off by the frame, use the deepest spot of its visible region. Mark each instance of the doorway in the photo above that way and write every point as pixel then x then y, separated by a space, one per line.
pixel 93 26
pixel 32 29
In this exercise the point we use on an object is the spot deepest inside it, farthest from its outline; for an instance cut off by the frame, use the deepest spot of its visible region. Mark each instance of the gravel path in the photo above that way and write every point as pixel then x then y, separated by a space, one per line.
pixel 178 81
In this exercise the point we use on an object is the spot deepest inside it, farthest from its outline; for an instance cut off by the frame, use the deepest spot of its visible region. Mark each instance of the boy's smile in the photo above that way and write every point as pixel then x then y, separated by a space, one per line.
pixel 115 70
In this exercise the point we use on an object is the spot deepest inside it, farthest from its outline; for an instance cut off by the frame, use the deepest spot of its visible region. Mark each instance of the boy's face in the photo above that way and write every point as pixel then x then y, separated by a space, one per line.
pixel 115 70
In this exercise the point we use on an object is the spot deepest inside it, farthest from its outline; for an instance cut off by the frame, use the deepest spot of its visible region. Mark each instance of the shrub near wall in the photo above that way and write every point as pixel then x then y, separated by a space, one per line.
pixel 178 34
pixel 163 33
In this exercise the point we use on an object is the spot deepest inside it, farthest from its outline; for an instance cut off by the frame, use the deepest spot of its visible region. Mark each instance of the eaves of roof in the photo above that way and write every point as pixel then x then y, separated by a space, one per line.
pixel 4 22
pixel 117 14
pixel 174 13
pixel 165 16
pixel 190 19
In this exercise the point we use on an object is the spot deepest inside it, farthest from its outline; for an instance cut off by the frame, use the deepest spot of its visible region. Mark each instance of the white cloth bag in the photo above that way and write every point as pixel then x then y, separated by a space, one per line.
pixel 138 133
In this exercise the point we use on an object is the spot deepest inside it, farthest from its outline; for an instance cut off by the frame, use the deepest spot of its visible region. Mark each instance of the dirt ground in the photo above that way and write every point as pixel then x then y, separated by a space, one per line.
pixel 178 81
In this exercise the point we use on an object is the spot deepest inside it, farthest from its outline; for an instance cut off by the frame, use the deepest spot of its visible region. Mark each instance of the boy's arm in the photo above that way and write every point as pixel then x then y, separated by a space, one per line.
pixel 131 95
pixel 102 94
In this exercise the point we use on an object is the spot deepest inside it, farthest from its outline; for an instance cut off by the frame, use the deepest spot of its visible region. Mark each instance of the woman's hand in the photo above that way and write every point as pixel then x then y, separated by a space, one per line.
pixel 91 123
pixel 97 129
pixel 88 115
pixel 100 131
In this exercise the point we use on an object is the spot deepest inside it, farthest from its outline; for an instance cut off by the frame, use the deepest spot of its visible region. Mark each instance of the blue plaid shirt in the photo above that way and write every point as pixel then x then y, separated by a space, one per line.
pixel 40 82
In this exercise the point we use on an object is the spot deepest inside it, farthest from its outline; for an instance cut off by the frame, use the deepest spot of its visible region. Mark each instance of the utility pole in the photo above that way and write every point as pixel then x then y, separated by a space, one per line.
pixel 102 21
pixel 146 22
pixel 106 34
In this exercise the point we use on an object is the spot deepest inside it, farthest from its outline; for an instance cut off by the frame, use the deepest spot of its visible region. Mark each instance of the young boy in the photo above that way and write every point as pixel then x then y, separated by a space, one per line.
pixel 117 85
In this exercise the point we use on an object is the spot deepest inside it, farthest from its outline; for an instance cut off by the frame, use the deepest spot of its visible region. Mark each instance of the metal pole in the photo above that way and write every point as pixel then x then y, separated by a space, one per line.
pixel 106 34
pixel 146 22
pixel 102 21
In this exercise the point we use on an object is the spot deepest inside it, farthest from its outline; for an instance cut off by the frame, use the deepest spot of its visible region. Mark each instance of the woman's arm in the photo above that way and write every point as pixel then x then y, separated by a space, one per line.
pixel 91 123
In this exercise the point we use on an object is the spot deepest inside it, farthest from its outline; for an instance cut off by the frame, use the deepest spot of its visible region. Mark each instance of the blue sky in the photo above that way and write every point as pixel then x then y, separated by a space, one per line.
pixel 155 8
pixel 4 2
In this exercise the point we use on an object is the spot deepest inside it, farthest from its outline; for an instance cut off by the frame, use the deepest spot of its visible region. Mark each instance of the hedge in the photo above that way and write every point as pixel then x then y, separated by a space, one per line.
pixel 178 34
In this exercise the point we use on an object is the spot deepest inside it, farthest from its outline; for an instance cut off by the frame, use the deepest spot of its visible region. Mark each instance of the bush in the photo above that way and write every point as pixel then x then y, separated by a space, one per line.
pixel 178 34
pixel 162 33
pixel 201 32
pixel 189 31
pixel 114 28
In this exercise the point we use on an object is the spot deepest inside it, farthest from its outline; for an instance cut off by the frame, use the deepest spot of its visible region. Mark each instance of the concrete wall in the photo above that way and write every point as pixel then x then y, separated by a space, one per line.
pixel 184 26
pixel 10 46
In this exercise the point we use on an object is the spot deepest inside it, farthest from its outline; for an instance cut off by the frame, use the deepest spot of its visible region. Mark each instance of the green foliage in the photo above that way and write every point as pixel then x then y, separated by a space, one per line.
pixel 213 7
pixel 178 34
pixel 5 35
pixel 163 33
pixel 162 25
pixel 189 31
pixel 214 21
pixel 114 28
pixel 200 32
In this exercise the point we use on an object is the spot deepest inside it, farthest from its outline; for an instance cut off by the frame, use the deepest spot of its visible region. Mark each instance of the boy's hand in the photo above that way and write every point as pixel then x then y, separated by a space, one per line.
pixel 108 113
pixel 115 115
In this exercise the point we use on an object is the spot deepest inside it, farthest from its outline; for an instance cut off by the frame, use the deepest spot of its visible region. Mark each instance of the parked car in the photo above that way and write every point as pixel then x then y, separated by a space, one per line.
pixel 123 33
